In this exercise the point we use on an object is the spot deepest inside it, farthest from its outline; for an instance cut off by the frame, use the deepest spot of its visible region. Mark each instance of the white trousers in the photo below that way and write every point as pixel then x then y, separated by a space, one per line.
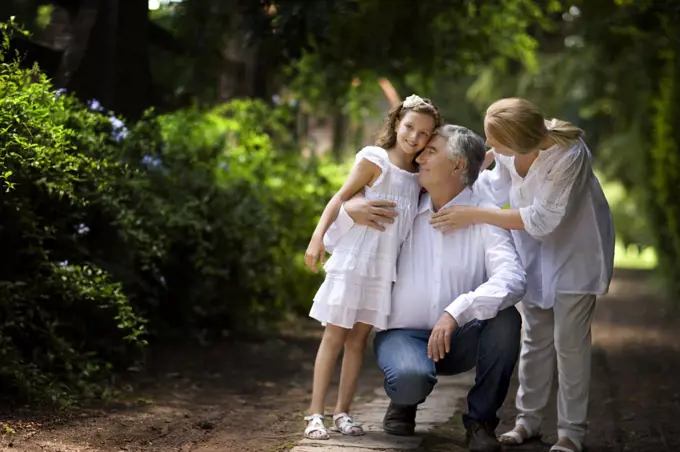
pixel 562 332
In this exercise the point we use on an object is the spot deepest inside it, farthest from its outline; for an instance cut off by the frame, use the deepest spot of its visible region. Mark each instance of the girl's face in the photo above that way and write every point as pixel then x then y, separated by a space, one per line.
pixel 414 131
pixel 493 143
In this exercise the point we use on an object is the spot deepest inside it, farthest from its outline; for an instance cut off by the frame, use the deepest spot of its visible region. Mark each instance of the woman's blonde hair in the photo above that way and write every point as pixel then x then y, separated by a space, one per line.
pixel 520 125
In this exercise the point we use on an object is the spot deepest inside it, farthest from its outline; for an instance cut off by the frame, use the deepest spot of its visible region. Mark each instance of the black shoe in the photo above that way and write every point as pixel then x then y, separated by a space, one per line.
pixel 481 436
pixel 400 420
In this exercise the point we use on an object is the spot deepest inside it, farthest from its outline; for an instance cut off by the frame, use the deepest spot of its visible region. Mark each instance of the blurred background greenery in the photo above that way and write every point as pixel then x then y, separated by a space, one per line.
pixel 164 163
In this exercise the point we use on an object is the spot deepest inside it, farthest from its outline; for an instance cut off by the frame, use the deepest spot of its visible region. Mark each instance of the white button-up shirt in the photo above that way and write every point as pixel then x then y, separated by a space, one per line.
pixel 567 245
pixel 471 273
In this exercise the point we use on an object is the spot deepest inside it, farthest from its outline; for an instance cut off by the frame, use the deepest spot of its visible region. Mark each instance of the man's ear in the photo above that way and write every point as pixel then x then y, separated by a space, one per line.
pixel 461 164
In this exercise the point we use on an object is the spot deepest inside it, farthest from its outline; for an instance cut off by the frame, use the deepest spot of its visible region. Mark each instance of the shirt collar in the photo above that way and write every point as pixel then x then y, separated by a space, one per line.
pixel 426 201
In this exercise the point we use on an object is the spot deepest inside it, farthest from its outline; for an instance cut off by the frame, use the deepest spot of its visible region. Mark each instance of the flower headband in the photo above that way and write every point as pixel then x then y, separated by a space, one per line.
pixel 413 101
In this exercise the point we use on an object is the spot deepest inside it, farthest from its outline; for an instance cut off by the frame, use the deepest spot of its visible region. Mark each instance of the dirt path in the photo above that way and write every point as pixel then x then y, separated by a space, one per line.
pixel 635 396
pixel 239 396
pixel 249 396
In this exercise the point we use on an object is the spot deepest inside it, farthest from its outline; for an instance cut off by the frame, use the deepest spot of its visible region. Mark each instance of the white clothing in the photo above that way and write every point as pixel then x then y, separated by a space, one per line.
pixel 471 273
pixel 362 268
pixel 567 248
pixel 568 242
pixel 566 329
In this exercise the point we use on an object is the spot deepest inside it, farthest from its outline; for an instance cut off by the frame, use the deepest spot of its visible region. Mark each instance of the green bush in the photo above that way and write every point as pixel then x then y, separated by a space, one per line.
pixel 234 210
pixel 191 223
pixel 662 170
pixel 64 320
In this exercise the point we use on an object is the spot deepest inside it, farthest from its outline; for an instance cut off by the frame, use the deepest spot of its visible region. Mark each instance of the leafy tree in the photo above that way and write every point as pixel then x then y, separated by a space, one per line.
pixel 612 66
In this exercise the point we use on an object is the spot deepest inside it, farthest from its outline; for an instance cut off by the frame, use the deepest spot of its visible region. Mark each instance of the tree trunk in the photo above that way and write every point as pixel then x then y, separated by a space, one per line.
pixel 239 71
pixel 94 78
pixel 132 82
pixel 115 68
pixel 59 33
pixel 77 45
pixel 339 138
pixel 301 128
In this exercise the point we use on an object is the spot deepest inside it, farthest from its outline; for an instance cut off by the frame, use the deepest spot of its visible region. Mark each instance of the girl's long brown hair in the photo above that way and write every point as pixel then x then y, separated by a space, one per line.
pixel 387 137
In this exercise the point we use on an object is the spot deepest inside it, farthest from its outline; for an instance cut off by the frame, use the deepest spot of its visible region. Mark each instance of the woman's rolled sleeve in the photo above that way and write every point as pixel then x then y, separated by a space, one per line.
pixel 561 188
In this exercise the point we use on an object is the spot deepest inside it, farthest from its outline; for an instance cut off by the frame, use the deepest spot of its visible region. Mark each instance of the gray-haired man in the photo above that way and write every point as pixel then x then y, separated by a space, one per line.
pixel 453 301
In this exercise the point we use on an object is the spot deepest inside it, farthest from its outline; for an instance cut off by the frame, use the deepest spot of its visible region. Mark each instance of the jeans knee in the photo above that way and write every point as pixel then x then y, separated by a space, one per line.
pixel 409 387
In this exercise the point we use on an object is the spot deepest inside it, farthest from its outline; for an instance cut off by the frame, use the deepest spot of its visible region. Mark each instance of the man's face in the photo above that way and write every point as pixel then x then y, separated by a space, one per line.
pixel 435 165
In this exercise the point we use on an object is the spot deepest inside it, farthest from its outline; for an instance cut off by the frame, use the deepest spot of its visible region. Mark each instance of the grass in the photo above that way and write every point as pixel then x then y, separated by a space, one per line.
pixel 621 203
pixel 632 257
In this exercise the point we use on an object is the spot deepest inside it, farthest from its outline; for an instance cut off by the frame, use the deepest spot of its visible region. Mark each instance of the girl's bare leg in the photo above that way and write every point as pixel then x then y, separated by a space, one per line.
pixel 352 360
pixel 329 349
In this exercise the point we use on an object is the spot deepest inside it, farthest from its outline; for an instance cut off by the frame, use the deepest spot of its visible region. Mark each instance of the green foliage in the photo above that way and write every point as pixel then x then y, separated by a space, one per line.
pixel 64 320
pixel 318 49
pixel 664 171
pixel 617 79
pixel 191 223
pixel 231 213
pixel 429 39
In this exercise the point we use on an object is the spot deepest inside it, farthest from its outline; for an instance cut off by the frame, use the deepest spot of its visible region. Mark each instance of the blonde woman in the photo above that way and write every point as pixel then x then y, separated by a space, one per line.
pixel 562 227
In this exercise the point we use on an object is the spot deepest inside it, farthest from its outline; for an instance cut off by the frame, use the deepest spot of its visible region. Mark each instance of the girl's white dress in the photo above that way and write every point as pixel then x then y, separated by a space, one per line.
pixel 362 268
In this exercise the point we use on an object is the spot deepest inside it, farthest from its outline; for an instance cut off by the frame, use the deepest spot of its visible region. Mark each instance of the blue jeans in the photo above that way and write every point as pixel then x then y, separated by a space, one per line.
pixel 492 346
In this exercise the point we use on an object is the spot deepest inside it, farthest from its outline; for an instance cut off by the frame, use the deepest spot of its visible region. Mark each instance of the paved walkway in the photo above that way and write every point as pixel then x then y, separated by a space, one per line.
pixel 635 392
pixel 437 409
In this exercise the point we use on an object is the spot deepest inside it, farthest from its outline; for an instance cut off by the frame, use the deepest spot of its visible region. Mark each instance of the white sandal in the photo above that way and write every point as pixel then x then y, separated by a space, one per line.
pixel 515 438
pixel 560 447
pixel 315 425
pixel 346 425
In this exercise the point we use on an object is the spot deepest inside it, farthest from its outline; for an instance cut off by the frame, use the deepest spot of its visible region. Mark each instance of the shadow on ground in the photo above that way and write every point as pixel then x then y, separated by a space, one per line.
pixel 249 396
pixel 233 396
pixel 635 395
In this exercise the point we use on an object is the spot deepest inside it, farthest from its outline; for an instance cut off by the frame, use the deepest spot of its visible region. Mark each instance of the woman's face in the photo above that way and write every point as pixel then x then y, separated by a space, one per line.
pixel 493 143
pixel 414 131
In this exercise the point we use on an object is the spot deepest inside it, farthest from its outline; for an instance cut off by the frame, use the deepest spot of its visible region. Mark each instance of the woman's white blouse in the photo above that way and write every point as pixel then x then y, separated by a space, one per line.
pixel 567 245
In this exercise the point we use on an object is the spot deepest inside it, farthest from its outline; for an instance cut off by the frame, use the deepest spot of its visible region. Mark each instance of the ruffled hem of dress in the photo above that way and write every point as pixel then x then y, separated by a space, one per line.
pixel 355 293
pixel 346 317
pixel 357 264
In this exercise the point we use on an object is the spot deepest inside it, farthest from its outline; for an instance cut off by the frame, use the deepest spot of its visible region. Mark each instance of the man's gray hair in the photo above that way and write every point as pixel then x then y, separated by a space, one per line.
pixel 462 142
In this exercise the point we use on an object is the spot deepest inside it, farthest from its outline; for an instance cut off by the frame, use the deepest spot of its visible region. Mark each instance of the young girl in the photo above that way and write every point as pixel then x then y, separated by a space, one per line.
pixel 356 294
pixel 563 231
